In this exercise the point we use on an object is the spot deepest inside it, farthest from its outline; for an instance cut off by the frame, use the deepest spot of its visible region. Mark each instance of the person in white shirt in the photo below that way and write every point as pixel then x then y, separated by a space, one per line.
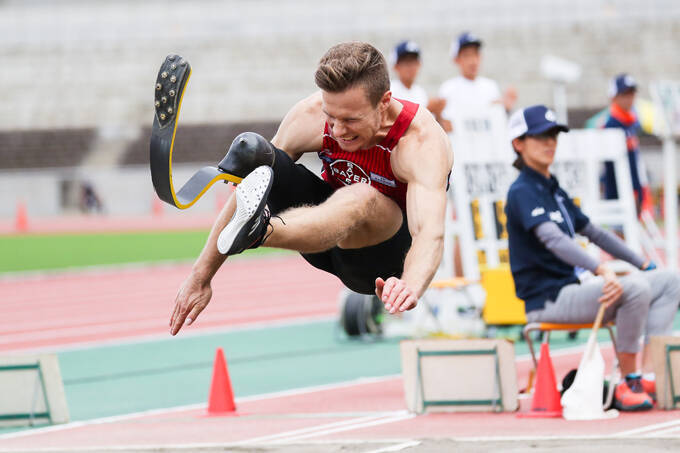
pixel 406 63
pixel 469 91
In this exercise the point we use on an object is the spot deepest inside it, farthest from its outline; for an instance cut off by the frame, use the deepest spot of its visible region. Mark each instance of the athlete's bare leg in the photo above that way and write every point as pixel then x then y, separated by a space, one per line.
pixel 353 217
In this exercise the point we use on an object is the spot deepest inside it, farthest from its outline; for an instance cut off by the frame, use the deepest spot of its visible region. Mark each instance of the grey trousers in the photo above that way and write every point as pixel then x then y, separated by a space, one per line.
pixel 647 306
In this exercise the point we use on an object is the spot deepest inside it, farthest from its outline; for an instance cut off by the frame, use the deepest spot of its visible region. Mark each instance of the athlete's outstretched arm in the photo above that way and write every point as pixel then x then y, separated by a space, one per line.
pixel 195 293
pixel 424 162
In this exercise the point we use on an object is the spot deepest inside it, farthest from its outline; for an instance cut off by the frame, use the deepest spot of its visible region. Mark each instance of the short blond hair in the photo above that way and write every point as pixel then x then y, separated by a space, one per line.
pixel 347 64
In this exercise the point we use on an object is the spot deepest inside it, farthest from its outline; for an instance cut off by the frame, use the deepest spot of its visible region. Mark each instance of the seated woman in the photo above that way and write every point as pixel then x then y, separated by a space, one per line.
pixel 545 261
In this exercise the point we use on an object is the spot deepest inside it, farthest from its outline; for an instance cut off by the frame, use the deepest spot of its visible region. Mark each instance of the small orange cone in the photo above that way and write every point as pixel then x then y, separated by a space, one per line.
pixel 157 207
pixel 21 221
pixel 221 399
pixel 546 402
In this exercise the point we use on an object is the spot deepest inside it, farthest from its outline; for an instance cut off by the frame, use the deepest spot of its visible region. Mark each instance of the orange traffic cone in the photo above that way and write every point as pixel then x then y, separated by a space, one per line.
pixel 221 399
pixel 157 206
pixel 546 402
pixel 21 221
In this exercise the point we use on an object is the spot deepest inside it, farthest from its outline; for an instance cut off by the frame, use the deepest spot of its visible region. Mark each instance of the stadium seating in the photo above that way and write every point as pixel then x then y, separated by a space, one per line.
pixel 45 148
pixel 197 143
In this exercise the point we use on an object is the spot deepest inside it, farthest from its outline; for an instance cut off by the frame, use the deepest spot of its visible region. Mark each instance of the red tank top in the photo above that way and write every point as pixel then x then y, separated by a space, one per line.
pixel 371 166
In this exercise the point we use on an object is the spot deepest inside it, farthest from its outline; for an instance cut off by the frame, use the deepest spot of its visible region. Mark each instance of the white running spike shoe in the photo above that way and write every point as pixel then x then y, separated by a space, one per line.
pixel 248 225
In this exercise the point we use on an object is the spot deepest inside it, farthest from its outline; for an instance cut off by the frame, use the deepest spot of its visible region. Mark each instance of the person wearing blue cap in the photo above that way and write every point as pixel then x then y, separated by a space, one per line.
pixel 622 91
pixel 469 91
pixel 405 60
pixel 546 262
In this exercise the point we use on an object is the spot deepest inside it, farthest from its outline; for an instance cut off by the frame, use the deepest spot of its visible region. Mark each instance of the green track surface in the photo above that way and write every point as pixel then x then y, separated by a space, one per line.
pixel 45 252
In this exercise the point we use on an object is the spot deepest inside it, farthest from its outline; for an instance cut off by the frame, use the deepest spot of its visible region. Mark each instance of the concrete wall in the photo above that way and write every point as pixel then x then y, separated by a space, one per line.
pixel 93 63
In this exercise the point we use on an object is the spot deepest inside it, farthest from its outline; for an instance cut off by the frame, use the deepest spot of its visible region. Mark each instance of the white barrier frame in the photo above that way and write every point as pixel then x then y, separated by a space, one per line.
pixel 483 171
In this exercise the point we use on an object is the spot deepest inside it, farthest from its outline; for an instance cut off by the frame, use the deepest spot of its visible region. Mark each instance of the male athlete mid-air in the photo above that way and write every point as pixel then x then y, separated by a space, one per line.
pixel 376 220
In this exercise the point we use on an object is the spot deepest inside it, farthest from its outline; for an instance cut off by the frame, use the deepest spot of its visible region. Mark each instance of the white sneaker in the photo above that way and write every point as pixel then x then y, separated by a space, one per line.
pixel 248 225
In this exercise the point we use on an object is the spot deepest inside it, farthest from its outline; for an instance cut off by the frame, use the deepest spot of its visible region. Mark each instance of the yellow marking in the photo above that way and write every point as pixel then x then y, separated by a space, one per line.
pixel 481 257
pixel 504 256
pixel 502 219
pixel 222 177
pixel 502 307
pixel 476 219
pixel 577 202
pixel 455 282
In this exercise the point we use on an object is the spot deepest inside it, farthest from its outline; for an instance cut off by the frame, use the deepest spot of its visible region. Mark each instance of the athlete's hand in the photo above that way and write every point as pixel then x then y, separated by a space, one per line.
pixel 395 294
pixel 612 289
pixel 192 298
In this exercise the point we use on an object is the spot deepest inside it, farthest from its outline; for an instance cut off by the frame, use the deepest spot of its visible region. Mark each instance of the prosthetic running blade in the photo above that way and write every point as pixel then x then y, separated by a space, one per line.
pixel 170 85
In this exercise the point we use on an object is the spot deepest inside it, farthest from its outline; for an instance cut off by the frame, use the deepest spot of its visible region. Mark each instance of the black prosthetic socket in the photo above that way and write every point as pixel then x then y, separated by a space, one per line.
pixel 247 152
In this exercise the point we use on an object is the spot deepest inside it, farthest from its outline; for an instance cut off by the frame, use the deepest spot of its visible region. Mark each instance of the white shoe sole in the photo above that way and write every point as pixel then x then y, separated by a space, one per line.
pixel 249 195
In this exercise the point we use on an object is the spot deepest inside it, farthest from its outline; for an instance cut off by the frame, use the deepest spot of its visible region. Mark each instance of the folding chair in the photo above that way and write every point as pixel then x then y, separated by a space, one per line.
pixel 547 327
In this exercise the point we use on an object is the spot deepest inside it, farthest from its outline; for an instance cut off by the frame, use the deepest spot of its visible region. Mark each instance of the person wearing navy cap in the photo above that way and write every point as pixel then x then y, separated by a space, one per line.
pixel 469 91
pixel 546 261
pixel 405 60
pixel 622 91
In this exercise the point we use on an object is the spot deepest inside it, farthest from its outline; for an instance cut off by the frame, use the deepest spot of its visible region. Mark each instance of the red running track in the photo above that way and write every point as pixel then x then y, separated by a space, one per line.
pixel 370 410
pixel 84 224
pixel 57 310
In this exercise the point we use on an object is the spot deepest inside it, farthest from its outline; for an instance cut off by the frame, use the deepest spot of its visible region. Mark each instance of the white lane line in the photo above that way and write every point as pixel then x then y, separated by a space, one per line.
pixel 647 428
pixel 664 432
pixel 113 327
pixel 306 431
pixel 99 421
pixel 189 407
pixel 398 447
pixel 381 421
pixel 154 337
pixel 192 448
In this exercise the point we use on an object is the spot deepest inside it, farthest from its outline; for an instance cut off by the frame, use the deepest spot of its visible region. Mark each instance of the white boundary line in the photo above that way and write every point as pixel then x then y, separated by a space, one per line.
pixel 402 444
pixel 257 325
pixel 398 447
pixel 102 269
pixel 188 407
pixel 201 446
pixel 647 428
pixel 381 421
pixel 306 431
pixel 664 432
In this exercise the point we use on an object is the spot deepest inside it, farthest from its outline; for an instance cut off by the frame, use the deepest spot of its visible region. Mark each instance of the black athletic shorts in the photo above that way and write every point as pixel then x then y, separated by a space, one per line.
pixel 294 185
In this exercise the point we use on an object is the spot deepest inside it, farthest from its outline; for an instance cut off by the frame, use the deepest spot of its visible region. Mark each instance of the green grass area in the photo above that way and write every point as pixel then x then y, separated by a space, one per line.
pixel 44 252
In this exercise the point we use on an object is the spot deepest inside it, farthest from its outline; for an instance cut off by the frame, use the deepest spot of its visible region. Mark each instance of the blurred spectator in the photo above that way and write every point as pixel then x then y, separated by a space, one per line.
pixel 469 91
pixel 622 115
pixel 89 200
pixel 406 64
pixel 406 61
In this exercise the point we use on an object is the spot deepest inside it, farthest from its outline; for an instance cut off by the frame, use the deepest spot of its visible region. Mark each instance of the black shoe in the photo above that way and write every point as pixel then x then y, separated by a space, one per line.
pixel 247 152
pixel 248 225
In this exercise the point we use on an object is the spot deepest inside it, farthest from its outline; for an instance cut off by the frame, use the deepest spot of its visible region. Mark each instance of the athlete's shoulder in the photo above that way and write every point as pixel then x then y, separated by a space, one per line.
pixel 424 123
pixel 311 105
pixel 424 142
pixel 301 130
